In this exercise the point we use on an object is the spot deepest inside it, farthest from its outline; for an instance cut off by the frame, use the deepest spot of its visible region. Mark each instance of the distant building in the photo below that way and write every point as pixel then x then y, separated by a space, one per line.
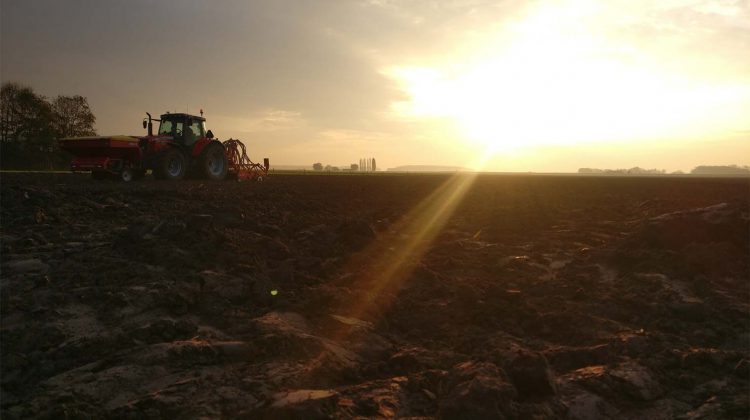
pixel 365 165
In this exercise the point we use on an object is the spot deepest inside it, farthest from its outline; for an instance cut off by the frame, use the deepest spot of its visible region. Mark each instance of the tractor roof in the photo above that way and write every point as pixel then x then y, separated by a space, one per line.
pixel 181 115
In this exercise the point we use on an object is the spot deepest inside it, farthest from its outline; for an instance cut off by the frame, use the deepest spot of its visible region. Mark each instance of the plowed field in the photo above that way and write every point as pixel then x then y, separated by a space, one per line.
pixel 375 296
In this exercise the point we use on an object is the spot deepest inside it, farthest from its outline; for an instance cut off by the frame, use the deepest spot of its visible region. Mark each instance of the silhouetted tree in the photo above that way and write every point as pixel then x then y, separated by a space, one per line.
pixel 24 115
pixel 317 166
pixel 26 127
pixel 73 116
pixel 29 124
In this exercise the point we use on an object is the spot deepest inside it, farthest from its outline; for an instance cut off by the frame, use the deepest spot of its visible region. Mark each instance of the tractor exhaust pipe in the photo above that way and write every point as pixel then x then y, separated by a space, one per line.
pixel 150 125
pixel 266 164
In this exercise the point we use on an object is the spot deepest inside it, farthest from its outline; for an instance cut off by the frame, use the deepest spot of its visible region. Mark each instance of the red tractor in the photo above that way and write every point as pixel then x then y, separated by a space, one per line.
pixel 181 147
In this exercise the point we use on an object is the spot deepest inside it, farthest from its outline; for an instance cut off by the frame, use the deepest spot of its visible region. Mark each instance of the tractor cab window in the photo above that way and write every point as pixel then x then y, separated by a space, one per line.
pixel 165 128
pixel 178 130
pixel 194 132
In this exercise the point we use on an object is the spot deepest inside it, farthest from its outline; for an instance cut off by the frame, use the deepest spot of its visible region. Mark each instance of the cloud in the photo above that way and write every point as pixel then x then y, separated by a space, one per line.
pixel 263 122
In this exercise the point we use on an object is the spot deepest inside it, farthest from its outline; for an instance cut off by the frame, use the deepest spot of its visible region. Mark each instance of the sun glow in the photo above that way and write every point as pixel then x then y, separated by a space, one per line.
pixel 555 78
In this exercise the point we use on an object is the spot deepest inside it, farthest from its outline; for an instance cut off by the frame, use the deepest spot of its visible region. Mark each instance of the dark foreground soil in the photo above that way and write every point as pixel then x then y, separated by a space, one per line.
pixel 375 296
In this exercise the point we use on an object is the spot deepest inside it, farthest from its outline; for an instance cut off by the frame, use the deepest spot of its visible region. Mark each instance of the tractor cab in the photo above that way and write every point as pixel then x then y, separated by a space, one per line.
pixel 183 128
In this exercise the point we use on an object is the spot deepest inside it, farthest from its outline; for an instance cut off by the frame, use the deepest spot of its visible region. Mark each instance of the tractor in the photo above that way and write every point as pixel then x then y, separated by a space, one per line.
pixel 182 147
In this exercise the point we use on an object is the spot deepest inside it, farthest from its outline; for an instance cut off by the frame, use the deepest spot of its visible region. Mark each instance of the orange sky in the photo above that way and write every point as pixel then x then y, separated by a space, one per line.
pixel 542 86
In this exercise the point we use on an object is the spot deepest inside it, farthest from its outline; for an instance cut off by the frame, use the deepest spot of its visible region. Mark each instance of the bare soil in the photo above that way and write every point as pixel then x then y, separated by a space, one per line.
pixel 375 296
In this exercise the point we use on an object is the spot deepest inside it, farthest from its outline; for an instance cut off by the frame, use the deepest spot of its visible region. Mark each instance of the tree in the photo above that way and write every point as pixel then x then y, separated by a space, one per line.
pixel 29 124
pixel 26 131
pixel 73 116
pixel 317 166
pixel 24 115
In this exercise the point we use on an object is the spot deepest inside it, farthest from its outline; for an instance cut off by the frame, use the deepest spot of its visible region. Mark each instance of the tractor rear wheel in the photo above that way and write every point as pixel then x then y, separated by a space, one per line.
pixel 214 163
pixel 173 165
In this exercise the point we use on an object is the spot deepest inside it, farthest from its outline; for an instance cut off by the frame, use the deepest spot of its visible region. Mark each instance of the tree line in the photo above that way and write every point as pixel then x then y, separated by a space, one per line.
pixel 30 125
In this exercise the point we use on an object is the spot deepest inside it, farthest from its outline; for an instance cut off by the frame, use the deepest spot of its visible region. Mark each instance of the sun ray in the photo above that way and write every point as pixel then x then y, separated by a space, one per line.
pixel 388 262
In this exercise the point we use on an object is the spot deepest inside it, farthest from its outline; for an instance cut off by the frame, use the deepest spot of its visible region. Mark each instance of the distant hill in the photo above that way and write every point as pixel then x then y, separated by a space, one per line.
pixel 721 170
pixel 699 170
pixel 632 171
pixel 427 168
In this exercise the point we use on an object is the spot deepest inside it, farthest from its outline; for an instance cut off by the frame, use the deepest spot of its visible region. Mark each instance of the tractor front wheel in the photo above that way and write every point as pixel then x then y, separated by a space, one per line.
pixel 214 163
pixel 127 175
pixel 173 165
pixel 131 174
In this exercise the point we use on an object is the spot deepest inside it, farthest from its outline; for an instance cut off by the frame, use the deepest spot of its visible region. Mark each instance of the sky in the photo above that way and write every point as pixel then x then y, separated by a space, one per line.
pixel 543 86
